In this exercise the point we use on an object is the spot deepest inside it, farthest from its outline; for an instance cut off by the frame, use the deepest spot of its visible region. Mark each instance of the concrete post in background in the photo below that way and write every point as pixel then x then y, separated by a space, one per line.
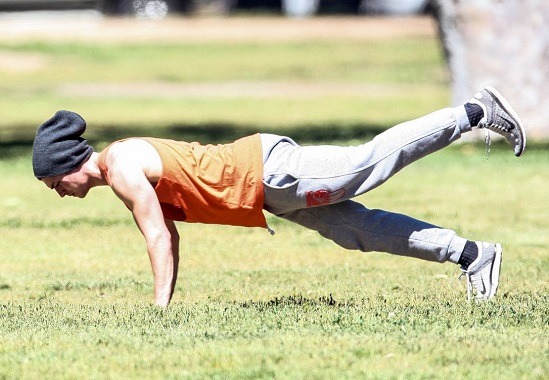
pixel 504 43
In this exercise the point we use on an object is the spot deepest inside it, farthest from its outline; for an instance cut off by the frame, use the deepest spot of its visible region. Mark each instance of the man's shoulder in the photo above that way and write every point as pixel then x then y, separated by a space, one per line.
pixel 128 149
pixel 134 153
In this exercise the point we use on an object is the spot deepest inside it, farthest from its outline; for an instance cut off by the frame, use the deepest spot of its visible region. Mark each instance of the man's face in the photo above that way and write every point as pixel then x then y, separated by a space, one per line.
pixel 72 184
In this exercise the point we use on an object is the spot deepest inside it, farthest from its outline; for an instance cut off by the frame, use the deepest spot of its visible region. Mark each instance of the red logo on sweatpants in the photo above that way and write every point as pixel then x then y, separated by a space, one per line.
pixel 323 197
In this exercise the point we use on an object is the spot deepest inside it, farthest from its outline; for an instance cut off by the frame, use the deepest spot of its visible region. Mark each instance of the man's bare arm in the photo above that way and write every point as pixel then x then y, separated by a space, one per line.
pixel 130 184
pixel 175 251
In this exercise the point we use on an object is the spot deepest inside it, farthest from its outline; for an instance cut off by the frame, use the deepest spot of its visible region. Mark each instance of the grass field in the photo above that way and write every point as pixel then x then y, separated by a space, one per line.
pixel 76 284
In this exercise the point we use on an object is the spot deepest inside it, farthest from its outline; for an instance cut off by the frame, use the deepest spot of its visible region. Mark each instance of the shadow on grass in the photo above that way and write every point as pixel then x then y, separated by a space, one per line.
pixel 292 301
pixel 19 143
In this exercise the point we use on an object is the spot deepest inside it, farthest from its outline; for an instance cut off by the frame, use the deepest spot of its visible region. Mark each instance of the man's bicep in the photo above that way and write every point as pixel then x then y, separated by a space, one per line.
pixel 130 184
pixel 145 207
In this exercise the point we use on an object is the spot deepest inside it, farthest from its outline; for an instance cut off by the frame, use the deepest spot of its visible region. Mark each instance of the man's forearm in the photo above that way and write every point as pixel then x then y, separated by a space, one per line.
pixel 164 261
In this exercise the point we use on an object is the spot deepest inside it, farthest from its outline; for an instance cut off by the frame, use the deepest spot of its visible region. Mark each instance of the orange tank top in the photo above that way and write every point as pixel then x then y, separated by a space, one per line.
pixel 216 184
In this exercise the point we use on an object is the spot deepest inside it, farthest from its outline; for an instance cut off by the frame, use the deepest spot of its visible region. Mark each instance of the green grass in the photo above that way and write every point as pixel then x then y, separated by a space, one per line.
pixel 405 77
pixel 372 61
pixel 75 280
pixel 284 338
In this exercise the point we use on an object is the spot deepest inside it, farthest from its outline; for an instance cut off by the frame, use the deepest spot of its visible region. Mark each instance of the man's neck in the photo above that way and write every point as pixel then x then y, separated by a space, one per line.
pixel 92 170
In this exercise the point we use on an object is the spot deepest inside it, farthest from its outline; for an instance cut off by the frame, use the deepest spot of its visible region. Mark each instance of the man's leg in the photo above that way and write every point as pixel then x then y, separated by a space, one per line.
pixel 353 226
pixel 300 177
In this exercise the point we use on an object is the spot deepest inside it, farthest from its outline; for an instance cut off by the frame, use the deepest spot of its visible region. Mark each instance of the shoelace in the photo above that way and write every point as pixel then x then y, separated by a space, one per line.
pixel 469 286
pixel 488 142
pixel 486 130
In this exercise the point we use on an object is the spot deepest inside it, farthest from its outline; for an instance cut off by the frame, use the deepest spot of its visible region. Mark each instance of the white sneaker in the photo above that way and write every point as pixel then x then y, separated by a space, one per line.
pixel 500 118
pixel 483 273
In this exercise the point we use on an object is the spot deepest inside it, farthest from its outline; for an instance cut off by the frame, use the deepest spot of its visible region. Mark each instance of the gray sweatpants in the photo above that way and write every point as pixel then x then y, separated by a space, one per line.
pixel 313 185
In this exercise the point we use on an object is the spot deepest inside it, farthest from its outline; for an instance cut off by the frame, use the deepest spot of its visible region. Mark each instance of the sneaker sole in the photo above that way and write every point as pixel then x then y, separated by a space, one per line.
pixel 496 269
pixel 507 107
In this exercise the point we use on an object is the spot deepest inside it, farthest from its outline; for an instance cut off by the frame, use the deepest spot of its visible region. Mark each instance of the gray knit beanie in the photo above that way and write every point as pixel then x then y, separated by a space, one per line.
pixel 58 146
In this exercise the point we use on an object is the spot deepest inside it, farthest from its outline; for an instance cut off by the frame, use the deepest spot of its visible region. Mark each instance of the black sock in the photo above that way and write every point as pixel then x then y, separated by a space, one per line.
pixel 474 113
pixel 469 254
